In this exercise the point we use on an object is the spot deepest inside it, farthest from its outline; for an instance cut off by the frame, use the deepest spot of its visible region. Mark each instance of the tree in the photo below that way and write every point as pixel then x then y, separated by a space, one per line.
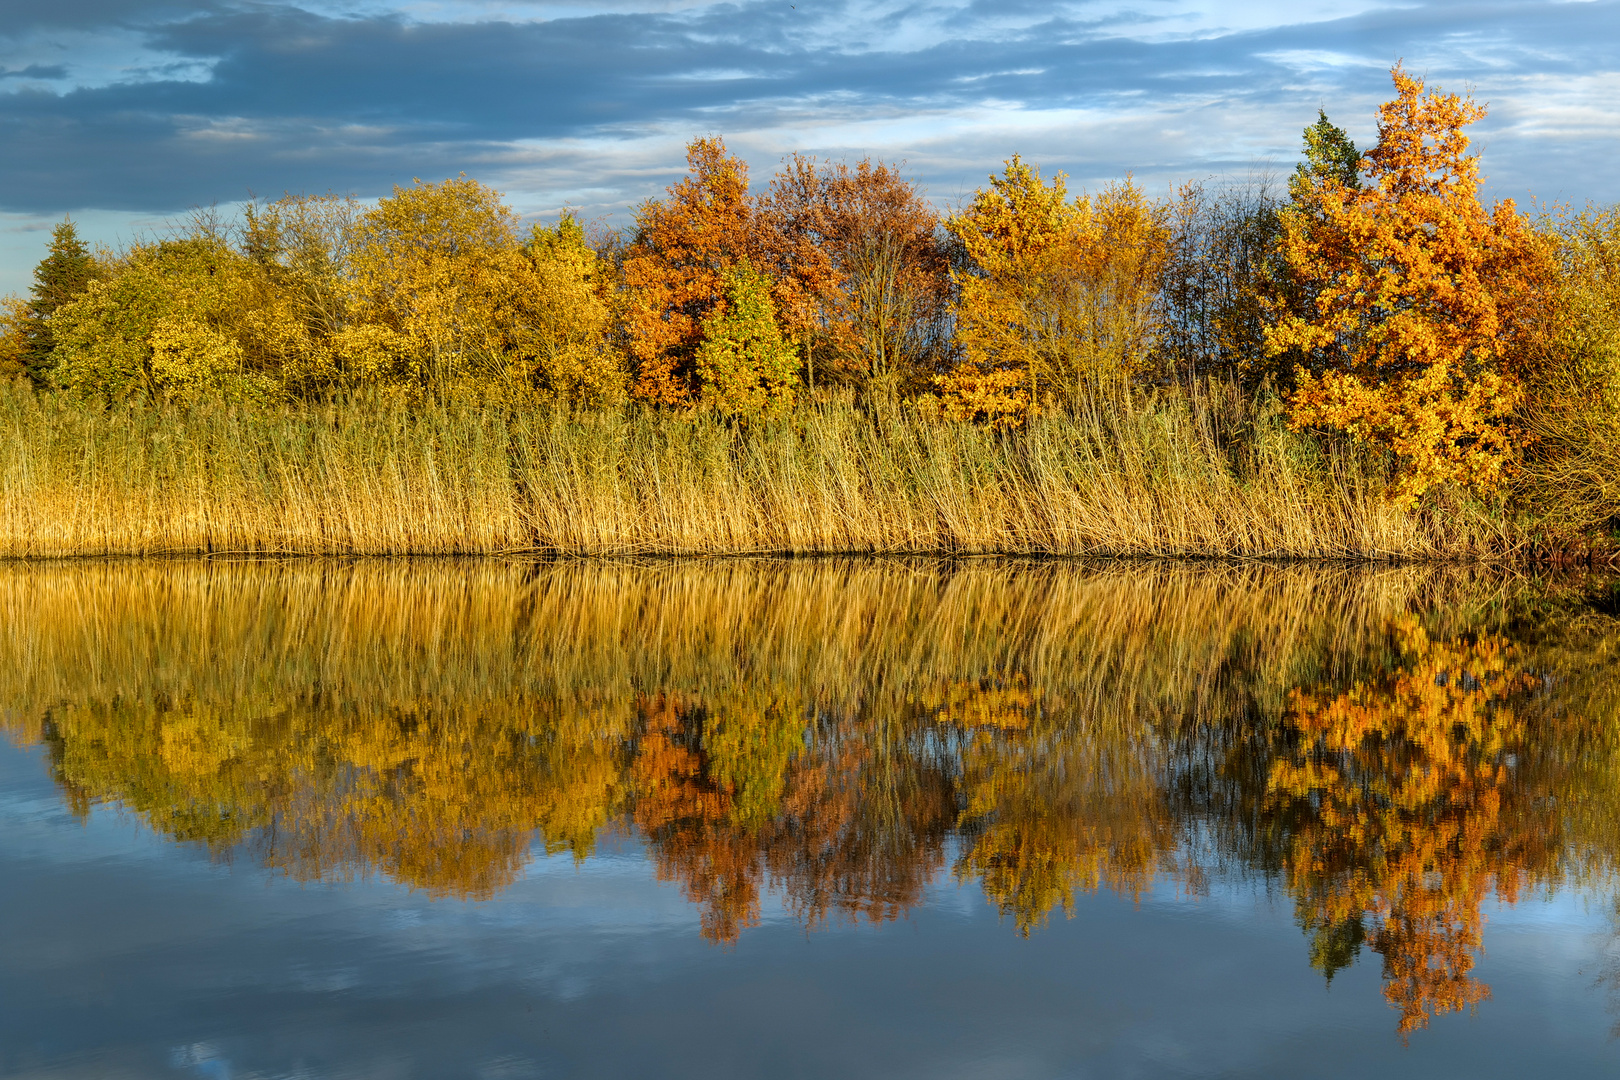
pixel 64 273
pixel 1421 304
pixel 1404 802
pixel 1221 265
pixel 15 322
pixel 1061 294
pixel 674 271
pixel 1329 155
pixel 860 245
pixel 562 339
pixel 440 266
pixel 743 364
pixel 299 319
pixel 161 321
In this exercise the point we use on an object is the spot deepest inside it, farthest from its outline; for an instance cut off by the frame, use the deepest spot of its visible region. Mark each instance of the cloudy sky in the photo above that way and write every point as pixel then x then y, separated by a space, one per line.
pixel 127 112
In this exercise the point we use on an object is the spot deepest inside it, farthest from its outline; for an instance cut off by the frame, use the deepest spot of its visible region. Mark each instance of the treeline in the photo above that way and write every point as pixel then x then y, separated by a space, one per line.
pixel 1375 297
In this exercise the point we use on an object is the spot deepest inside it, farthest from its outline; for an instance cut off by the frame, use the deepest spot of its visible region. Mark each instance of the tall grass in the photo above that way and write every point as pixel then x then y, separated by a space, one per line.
pixel 1202 472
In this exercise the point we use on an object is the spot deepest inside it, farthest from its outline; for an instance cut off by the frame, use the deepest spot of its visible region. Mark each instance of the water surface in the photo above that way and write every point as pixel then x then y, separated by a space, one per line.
pixel 805 818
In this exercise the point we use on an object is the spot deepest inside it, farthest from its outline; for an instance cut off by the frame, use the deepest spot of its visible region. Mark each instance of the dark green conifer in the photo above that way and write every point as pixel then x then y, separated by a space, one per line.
pixel 64 273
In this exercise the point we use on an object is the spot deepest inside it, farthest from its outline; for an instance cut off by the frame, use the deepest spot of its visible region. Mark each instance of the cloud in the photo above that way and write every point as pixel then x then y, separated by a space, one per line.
pixel 149 107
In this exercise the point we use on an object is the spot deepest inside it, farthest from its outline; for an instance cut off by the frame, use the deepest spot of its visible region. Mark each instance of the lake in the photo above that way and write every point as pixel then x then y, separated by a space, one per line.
pixel 806 818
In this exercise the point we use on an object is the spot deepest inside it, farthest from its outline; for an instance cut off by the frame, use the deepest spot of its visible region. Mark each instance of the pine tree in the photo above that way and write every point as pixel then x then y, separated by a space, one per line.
pixel 63 274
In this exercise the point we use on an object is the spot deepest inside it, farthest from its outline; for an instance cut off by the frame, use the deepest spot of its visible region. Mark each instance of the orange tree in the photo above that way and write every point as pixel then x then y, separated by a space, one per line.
pixel 1423 302
pixel 678 269
pixel 860 246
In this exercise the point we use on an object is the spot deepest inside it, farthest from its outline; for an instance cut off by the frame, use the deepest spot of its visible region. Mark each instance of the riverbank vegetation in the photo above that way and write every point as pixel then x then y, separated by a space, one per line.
pixel 1368 362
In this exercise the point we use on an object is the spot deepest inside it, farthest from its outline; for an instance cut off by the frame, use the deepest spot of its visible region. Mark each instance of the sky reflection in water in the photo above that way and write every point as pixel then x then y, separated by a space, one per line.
pixel 808 818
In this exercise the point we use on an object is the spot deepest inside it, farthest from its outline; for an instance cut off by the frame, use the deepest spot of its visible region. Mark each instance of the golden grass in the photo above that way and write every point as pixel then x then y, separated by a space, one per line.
pixel 1199 473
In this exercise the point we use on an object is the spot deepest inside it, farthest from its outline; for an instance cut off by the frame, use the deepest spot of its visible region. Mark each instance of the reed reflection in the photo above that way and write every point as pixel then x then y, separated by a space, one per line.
pixel 1393 747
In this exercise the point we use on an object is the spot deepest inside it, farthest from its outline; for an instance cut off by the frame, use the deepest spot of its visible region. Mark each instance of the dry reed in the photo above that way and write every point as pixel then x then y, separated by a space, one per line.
pixel 1200 473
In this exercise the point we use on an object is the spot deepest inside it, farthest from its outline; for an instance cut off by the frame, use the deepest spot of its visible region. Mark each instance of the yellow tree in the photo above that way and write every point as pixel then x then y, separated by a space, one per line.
pixel 164 320
pixel 14 317
pixel 1061 294
pixel 438 267
pixel 566 315
pixel 1423 302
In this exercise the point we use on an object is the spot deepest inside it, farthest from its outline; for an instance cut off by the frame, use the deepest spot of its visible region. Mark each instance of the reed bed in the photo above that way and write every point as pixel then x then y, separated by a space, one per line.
pixel 1188 473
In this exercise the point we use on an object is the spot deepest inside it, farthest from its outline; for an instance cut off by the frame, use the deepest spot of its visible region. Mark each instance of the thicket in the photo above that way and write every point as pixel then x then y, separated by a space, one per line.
pixel 1414 343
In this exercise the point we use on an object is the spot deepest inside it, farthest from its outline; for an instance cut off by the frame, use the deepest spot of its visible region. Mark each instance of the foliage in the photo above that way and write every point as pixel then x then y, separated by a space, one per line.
pixel 743 365
pixel 565 333
pixel 159 324
pixel 1330 156
pixel 1571 474
pixel 64 273
pixel 861 245
pixel 1456 346
pixel 440 265
pixel 1423 305
pixel 1062 292
pixel 1404 805
pixel 14 344
pixel 1391 748
pixel 674 271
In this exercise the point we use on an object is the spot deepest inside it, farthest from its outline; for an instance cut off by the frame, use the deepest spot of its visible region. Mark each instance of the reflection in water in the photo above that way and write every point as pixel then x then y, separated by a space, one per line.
pixel 1393 747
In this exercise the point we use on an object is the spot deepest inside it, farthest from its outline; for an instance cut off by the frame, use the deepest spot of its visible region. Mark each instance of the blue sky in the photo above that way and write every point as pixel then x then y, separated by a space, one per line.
pixel 128 112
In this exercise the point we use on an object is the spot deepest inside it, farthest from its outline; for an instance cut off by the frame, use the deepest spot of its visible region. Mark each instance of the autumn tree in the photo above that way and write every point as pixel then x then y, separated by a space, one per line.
pixel 861 244
pixel 1405 815
pixel 1048 811
pixel 675 269
pixel 299 316
pixel 161 322
pixel 14 344
pixel 1061 294
pixel 709 777
pixel 743 363
pixel 1422 303
pixel 566 311
pixel 437 266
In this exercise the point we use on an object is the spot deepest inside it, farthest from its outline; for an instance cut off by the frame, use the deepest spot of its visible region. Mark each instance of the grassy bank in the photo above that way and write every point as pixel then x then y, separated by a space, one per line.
pixel 1203 473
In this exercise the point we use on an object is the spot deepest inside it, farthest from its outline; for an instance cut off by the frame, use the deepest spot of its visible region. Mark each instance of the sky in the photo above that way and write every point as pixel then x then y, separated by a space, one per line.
pixel 128 113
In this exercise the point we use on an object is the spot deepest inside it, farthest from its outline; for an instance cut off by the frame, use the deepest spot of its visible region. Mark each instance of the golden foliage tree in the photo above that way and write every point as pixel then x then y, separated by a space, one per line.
pixel 440 266
pixel 162 322
pixel 563 334
pixel 14 343
pixel 1062 294
pixel 1423 303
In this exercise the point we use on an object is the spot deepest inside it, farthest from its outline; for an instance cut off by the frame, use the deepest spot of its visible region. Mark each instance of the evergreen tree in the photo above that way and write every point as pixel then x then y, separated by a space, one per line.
pixel 62 275
pixel 1329 155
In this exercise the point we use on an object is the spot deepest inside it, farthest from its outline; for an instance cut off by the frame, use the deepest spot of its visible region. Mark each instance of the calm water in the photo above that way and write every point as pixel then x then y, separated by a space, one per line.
pixel 806 819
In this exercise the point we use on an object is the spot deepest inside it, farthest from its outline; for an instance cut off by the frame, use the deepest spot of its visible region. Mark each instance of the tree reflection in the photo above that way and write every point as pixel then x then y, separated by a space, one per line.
pixel 1390 747
pixel 1406 815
